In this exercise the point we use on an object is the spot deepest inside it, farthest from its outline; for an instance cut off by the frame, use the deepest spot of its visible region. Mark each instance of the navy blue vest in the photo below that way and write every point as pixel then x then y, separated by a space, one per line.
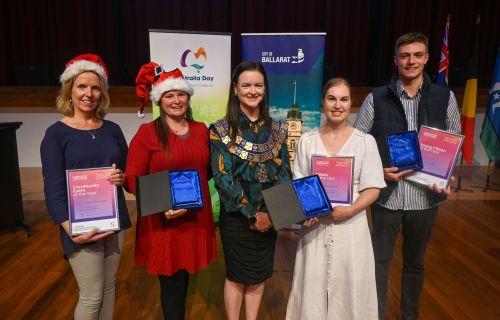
pixel 390 117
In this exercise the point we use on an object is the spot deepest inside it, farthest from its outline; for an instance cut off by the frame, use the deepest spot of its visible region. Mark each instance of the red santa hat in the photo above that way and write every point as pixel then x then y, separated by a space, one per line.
pixel 82 63
pixel 152 82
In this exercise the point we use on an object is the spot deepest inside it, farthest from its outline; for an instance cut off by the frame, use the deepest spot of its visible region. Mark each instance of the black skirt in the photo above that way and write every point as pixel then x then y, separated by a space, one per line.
pixel 248 254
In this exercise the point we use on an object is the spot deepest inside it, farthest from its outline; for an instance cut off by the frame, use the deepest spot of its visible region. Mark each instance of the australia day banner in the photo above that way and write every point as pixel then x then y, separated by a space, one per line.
pixel 294 67
pixel 205 61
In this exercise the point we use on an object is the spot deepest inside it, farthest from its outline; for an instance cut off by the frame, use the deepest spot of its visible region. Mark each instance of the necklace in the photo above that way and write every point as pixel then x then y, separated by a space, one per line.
pixel 183 127
pixel 92 133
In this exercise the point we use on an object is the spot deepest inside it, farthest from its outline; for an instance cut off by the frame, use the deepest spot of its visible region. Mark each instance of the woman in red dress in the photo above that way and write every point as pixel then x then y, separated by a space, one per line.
pixel 175 243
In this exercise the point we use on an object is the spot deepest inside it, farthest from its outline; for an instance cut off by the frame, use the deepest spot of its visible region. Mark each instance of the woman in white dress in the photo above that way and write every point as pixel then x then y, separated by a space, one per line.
pixel 334 276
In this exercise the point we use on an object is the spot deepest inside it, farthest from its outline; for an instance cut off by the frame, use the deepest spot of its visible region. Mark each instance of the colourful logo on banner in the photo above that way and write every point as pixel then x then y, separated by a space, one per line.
pixel 196 60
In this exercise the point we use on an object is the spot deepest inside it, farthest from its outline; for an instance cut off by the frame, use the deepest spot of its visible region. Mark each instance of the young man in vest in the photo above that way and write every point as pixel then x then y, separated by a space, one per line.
pixel 407 102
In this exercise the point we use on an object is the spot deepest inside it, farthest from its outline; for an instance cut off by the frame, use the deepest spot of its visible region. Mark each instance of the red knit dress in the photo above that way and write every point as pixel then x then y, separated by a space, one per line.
pixel 188 242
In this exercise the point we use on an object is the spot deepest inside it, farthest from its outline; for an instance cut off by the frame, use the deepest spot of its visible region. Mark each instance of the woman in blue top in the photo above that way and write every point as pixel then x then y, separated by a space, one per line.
pixel 83 139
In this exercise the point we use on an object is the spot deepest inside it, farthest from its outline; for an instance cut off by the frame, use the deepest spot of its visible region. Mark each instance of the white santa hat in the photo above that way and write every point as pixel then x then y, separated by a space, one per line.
pixel 82 63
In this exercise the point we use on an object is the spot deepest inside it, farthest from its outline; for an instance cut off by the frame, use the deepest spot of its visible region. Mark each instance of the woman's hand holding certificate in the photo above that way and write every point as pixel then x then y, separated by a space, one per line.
pixel 117 177
pixel 90 236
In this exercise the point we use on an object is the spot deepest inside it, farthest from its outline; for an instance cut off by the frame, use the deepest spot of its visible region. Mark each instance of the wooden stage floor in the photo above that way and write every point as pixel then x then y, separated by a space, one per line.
pixel 462 264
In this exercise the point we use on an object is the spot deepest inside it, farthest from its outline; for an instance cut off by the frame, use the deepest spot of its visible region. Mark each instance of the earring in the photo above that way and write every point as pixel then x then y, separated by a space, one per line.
pixel 70 100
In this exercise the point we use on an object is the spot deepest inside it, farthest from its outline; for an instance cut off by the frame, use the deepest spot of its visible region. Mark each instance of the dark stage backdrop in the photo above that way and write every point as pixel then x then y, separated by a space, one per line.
pixel 38 37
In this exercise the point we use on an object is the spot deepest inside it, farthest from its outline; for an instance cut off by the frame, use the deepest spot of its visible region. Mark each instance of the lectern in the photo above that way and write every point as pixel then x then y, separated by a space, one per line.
pixel 11 201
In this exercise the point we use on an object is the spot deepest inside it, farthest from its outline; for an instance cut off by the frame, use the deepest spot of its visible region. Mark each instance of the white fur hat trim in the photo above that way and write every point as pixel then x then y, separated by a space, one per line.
pixel 168 85
pixel 82 66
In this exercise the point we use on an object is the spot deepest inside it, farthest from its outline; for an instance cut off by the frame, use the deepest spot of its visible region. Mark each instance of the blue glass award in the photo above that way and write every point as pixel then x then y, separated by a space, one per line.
pixel 404 150
pixel 185 189
pixel 312 196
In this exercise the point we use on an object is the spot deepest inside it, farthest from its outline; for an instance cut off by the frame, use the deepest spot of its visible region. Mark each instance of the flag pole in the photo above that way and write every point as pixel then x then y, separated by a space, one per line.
pixel 488 176
pixel 489 172
pixel 459 182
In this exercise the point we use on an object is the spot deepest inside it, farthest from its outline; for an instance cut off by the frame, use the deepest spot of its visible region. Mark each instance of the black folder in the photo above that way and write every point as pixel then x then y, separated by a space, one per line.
pixel 284 205
pixel 154 193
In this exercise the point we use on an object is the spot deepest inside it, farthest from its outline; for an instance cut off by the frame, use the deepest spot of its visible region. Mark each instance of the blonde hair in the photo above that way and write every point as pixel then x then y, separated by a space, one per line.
pixel 65 105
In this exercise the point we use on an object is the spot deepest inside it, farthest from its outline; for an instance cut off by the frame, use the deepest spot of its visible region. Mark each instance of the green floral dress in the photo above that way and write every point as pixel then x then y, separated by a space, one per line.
pixel 256 160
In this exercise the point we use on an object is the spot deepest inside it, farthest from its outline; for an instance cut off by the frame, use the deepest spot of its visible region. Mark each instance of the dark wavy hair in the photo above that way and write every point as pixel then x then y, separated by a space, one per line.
pixel 233 103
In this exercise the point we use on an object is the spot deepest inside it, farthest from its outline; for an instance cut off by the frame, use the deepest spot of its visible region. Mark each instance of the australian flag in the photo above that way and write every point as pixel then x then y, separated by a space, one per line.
pixel 442 76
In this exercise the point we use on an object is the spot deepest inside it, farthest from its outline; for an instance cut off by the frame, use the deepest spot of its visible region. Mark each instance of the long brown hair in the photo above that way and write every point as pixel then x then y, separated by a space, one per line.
pixel 233 103
pixel 162 128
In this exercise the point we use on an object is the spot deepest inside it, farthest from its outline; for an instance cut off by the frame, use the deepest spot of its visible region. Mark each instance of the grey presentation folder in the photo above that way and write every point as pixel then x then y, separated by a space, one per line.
pixel 283 206
pixel 296 201
pixel 152 193
pixel 166 190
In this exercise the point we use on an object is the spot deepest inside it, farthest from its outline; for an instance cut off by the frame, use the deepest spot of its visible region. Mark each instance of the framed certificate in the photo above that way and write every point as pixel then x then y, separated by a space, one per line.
pixel 440 150
pixel 336 174
pixel 92 201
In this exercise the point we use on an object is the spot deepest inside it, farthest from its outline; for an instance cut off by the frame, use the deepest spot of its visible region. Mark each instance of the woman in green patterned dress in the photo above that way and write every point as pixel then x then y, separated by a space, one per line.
pixel 249 154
